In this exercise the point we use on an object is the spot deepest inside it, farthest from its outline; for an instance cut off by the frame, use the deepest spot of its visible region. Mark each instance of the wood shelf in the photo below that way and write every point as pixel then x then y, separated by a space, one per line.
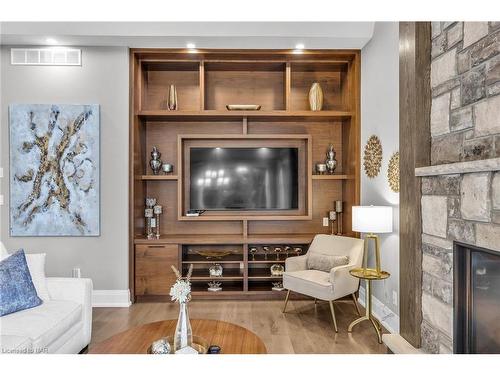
pixel 229 239
pixel 330 177
pixel 165 115
pixel 166 177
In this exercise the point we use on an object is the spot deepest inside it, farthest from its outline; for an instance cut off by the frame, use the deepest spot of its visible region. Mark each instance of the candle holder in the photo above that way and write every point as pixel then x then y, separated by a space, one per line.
pixel 157 210
pixel 339 208
pixel 148 215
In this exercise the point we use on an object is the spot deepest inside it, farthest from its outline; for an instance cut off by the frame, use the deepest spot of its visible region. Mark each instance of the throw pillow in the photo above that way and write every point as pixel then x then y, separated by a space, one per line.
pixel 325 263
pixel 36 265
pixel 17 291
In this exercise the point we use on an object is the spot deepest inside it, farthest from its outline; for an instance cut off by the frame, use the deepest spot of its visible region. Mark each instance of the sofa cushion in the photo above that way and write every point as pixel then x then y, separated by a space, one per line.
pixel 17 291
pixel 3 251
pixel 36 265
pixel 325 263
pixel 309 282
pixel 11 344
pixel 42 324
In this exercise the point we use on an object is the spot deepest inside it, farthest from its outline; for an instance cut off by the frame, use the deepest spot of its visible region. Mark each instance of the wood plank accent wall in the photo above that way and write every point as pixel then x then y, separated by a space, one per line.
pixel 414 146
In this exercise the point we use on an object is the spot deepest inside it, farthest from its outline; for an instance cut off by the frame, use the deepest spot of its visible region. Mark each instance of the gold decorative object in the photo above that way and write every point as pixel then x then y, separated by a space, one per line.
pixel 393 172
pixel 316 97
pixel 243 107
pixel 372 160
pixel 172 98
pixel 213 254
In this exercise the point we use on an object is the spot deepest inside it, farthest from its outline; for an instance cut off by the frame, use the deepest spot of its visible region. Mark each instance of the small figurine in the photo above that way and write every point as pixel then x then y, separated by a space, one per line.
pixel 155 162
pixel 330 161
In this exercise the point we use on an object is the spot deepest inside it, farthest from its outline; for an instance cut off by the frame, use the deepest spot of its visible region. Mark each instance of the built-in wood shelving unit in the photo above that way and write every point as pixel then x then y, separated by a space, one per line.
pixel 206 81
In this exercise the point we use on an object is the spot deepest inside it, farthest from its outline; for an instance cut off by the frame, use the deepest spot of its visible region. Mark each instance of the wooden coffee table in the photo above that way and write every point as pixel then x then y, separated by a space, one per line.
pixel 231 338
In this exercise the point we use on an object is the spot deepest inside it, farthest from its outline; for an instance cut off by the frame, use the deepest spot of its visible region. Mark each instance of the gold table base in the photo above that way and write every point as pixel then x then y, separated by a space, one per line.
pixel 368 275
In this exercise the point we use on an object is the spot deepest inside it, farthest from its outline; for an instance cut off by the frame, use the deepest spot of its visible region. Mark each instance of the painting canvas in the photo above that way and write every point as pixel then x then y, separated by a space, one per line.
pixel 54 170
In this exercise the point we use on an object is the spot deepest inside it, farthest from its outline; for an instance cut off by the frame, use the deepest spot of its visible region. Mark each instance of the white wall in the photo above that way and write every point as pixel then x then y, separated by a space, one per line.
pixel 380 116
pixel 103 79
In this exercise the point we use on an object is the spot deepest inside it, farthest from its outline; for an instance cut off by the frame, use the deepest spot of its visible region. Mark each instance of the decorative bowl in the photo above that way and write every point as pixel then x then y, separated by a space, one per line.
pixel 213 254
pixel 199 344
pixel 243 107
pixel 321 168
pixel 167 168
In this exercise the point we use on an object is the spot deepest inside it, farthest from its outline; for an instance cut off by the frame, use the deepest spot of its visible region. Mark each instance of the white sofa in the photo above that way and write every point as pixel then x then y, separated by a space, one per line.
pixel 61 325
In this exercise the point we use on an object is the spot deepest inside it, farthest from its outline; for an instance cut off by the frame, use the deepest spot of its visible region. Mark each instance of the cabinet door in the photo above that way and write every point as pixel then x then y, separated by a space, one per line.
pixel 153 274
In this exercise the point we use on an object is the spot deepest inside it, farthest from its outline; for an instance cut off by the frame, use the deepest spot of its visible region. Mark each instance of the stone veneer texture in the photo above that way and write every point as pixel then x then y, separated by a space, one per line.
pixel 465 126
pixel 465 80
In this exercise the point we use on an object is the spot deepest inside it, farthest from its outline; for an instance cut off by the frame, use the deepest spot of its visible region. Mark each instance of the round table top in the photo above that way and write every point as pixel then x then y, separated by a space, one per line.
pixel 231 338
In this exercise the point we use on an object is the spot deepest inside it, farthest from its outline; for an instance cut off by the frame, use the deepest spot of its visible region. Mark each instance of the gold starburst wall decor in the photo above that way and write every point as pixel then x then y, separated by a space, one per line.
pixel 372 160
pixel 393 172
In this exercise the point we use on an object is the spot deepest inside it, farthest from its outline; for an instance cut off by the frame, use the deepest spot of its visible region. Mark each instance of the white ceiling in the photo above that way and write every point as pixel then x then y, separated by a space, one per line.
pixel 262 35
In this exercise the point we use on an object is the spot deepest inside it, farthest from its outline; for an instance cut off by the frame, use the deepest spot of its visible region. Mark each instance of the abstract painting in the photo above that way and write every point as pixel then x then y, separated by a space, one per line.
pixel 54 170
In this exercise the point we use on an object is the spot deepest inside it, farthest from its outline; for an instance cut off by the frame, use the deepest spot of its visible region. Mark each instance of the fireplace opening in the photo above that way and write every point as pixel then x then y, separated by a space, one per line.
pixel 476 289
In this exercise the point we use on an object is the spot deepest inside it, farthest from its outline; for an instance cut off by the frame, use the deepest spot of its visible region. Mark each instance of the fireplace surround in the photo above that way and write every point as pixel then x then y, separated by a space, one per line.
pixel 476 290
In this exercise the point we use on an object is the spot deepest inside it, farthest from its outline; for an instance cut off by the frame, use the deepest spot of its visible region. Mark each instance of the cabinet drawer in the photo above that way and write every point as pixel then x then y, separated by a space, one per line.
pixel 153 272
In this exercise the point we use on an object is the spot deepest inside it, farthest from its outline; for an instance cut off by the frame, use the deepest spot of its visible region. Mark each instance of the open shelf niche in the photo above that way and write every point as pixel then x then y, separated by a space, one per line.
pixel 206 82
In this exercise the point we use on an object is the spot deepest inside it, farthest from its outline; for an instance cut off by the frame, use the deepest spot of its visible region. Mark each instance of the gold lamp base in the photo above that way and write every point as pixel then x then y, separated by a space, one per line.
pixel 375 238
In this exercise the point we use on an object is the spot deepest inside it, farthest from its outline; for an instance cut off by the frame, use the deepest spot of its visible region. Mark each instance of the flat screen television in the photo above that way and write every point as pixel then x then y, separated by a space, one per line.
pixel 243 179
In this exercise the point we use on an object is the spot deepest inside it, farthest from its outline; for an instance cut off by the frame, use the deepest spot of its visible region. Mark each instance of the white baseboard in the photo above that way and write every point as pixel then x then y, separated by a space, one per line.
pixel 111 298
pixel 385 315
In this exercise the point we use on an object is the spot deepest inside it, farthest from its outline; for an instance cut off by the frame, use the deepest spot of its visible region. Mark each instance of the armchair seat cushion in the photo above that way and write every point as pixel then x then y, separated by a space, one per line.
pixel 312 283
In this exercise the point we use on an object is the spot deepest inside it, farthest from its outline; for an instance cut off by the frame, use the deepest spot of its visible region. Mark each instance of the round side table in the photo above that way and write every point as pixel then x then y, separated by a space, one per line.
pixel 369 275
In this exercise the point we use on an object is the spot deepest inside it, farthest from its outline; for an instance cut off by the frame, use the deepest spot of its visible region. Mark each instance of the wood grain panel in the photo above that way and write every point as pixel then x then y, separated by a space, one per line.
pixel 325 193
pixel 414 148
pixel 322 133
pixel 244 87
pixel 153 275
pixel 158 78
pixel 332 79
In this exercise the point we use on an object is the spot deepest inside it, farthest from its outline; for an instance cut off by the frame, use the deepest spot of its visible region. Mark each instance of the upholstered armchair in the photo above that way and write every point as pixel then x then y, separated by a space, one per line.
pixel 322 285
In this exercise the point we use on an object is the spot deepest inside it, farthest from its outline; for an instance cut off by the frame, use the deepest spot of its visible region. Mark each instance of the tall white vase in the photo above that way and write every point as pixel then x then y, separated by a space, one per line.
pixel 183 334
pixel 316 97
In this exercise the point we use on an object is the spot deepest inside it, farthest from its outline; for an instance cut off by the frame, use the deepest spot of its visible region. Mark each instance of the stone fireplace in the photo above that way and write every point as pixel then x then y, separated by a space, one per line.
pixel 461 189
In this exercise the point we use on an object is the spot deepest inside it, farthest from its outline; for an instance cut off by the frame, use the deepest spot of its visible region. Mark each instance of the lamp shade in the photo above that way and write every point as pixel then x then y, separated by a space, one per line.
pixel 372 219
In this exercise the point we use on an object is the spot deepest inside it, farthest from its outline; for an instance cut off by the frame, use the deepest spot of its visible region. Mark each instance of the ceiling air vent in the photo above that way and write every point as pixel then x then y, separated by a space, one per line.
pixel 46 56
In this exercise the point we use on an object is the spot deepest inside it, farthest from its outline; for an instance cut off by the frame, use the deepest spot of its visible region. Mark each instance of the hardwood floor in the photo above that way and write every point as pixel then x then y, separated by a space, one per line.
pixel 305 328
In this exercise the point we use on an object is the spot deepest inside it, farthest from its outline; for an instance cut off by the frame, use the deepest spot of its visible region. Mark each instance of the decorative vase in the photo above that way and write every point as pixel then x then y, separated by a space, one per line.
pixel 183 334
pixel 172 98
pixel 330 161
pixel 155 162
pixel 316 97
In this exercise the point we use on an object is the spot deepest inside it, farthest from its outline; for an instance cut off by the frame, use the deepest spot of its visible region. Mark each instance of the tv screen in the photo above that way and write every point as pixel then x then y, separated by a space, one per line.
pixel 244 179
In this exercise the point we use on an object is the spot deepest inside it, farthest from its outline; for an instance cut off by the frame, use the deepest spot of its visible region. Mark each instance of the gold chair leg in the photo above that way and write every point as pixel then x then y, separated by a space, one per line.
pixel 333 316
pixel 355 303
pixel 286 299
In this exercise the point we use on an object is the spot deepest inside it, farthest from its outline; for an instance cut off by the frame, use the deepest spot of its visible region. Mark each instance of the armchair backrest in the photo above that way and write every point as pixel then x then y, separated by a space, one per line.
pixel 338 245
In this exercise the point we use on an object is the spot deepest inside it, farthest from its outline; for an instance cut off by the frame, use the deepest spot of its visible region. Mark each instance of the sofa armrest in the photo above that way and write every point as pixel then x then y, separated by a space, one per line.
pixel 76 290
pixel 342 281
pixel 296 263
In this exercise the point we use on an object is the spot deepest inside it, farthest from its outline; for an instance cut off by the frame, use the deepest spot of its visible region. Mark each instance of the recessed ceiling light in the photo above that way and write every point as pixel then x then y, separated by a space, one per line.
pixel 191 45
pixel 299 46
pixel 51 41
